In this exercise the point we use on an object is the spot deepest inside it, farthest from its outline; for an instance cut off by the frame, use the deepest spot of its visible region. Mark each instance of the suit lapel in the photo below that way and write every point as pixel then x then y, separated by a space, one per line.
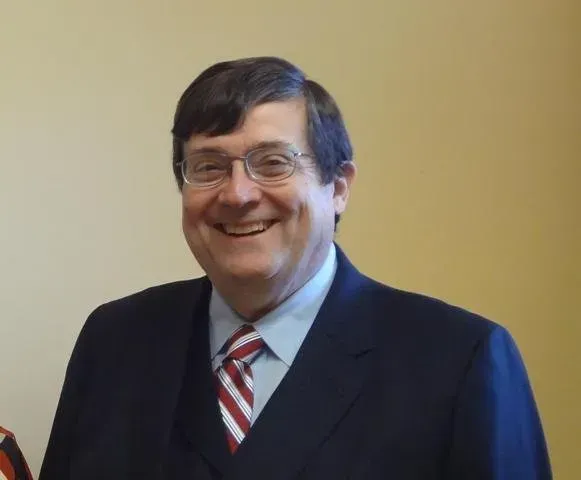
pixel 198 417
pixel 324 380
pixel 165 325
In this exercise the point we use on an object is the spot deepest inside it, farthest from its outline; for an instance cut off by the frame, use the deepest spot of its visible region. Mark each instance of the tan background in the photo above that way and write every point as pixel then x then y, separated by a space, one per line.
pixel 466 122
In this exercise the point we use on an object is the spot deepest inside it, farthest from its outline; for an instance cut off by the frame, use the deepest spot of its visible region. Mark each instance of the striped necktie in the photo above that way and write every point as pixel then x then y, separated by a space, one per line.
pixel 235 383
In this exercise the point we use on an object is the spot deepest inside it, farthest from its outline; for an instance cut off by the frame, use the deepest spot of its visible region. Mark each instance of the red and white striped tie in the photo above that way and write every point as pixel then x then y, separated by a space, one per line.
pixel 235 383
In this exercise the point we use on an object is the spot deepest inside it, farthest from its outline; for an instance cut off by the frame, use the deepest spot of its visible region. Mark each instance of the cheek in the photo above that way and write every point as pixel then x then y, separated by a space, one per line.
pixel 319 205
pixel 315 215
pixel 189 216
pixel 193 208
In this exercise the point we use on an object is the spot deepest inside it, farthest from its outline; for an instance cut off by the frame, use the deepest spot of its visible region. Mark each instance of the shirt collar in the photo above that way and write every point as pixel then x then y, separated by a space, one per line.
pixel 284 328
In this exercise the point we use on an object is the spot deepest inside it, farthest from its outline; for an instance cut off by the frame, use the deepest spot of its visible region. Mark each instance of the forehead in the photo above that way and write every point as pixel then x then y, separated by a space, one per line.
pixel 284 121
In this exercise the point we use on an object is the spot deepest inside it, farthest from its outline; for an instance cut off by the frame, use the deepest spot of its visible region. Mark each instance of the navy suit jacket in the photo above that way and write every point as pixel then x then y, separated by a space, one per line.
pixel 387 385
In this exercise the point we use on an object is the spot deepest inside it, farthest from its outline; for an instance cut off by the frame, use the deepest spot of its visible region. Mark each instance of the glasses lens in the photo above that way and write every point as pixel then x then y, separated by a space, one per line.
pixel 271 164
pixel 205 168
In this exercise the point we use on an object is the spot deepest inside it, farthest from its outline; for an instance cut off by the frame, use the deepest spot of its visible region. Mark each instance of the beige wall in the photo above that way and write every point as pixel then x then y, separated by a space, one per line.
pixel 466 121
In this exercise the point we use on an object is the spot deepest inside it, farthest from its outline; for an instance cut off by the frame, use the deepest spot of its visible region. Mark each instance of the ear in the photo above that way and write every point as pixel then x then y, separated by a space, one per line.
pixel 343 186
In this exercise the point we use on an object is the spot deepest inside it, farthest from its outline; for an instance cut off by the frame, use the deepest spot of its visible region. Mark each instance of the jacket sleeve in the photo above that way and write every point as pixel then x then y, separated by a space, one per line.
pixel 497 429
pixel 61 442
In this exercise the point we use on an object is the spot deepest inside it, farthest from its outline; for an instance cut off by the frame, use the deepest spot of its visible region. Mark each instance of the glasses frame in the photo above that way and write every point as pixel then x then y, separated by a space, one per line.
pixel 294 155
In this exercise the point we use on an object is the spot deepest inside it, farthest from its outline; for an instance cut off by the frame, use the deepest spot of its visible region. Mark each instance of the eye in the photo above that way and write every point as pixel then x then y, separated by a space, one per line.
pixel 272 160
pixel 206 163
pixel 275 159
pixel 206 167
pixel 272 165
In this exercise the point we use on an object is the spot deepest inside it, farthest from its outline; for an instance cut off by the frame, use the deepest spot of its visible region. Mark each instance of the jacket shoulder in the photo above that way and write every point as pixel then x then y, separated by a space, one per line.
pixel 148 301
pixel 429 326
pixel 148 312
pixel 436 314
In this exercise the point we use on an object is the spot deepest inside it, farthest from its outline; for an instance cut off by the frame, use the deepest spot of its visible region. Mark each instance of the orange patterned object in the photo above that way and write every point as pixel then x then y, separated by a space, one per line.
pixel 12 463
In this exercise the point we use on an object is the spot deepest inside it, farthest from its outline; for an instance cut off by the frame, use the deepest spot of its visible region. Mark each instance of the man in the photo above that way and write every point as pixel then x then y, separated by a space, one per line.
pixel 284 362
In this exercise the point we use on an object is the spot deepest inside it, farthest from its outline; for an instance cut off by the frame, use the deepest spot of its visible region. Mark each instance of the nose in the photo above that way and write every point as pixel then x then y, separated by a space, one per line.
pixel 239 189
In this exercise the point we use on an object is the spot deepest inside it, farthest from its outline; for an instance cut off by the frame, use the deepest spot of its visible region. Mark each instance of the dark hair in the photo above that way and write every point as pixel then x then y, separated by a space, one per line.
pixel 216 103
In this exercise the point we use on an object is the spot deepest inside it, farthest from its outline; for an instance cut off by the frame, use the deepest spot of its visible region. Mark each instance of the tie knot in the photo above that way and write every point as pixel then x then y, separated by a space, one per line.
pixel 244 344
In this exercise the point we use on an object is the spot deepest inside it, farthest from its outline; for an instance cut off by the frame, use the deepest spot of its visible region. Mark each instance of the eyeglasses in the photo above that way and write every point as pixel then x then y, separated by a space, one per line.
pixel 264 165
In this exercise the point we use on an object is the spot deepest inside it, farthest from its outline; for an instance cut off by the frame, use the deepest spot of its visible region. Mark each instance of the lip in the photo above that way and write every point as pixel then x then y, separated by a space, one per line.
pixel 220 227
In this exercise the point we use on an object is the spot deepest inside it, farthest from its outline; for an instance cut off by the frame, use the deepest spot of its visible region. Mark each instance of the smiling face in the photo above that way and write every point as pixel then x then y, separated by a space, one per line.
pixel 276 234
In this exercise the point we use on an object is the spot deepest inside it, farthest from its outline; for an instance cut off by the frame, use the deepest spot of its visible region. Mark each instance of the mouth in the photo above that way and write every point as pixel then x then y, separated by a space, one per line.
pixel 244 229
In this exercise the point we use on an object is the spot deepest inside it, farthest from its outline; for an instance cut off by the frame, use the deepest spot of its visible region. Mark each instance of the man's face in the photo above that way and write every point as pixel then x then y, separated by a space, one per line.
pixel 294 217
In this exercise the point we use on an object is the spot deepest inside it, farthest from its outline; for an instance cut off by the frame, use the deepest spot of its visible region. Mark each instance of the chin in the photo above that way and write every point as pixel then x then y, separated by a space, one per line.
pixel 249 272
pixel 251 268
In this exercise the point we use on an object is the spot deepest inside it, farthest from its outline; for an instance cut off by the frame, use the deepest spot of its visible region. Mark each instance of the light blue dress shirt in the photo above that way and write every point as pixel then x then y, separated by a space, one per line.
pixel 283 330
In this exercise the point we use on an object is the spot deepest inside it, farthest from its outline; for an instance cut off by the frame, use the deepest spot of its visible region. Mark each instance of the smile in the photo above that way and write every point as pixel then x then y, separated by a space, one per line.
pixel 246 229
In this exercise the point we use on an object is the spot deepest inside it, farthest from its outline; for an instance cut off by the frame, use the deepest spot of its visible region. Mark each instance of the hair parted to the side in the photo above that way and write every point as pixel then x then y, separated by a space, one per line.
pixel 217 101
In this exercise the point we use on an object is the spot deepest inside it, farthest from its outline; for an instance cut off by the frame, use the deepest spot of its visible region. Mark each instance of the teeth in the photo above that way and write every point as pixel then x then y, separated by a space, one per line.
pixel 245 229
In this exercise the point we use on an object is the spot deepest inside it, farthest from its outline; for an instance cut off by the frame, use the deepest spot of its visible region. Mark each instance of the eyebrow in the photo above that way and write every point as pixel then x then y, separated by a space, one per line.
pixel 254 146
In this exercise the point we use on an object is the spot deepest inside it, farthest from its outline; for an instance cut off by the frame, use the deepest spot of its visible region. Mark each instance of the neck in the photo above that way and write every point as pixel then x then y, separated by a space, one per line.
pixel 252 299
